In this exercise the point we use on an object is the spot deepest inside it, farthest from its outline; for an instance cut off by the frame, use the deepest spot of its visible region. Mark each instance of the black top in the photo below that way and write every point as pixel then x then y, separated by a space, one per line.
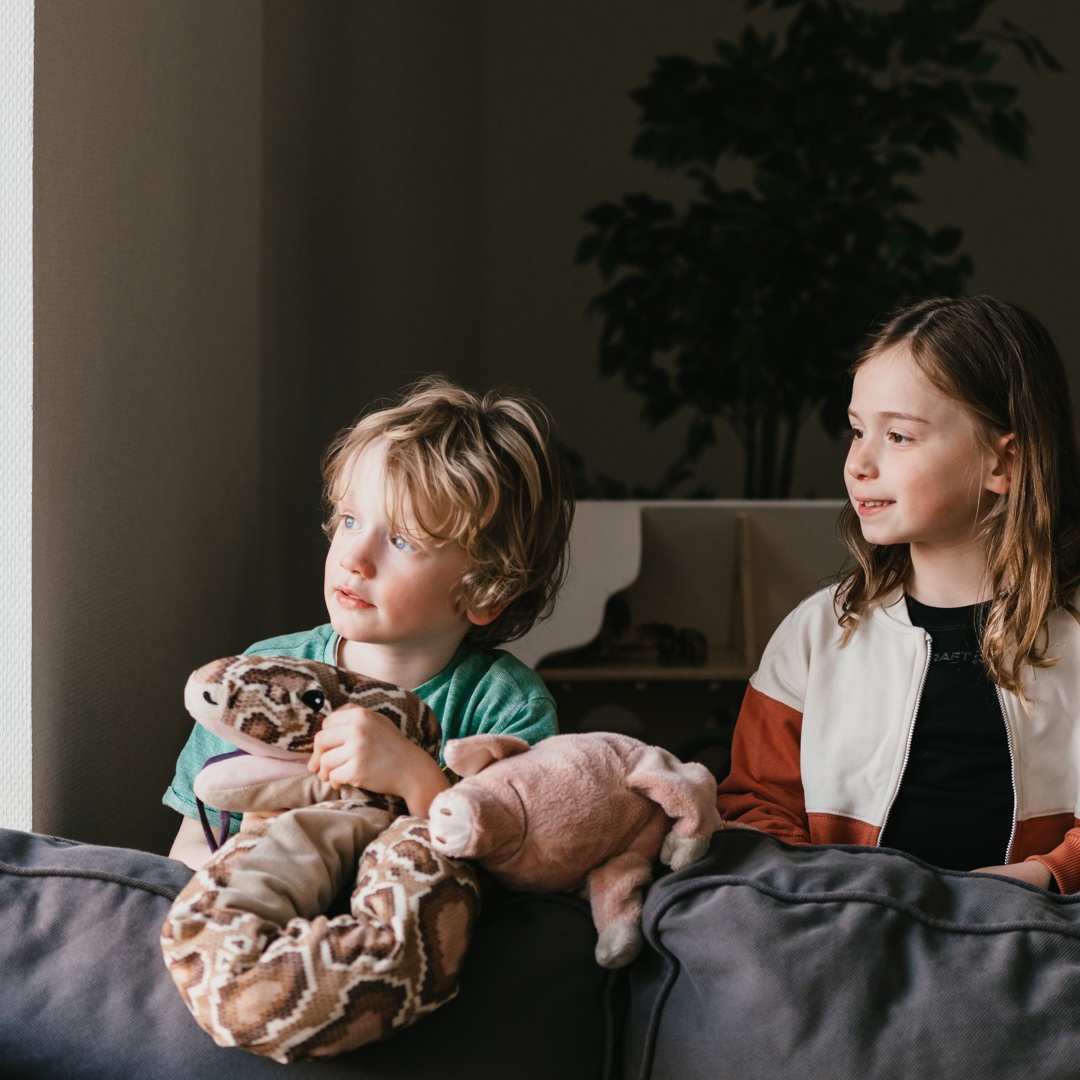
pixel 955 804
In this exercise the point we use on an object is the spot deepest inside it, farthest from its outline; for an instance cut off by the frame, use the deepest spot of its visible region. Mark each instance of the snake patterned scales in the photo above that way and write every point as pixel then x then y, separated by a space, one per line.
pixel 250 941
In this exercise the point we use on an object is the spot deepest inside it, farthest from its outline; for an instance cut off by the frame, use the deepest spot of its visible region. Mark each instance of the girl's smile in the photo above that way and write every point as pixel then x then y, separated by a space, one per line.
pixel 866 508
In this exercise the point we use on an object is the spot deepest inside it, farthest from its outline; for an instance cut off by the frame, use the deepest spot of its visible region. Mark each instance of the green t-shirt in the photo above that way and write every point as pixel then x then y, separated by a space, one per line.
pixel 479 691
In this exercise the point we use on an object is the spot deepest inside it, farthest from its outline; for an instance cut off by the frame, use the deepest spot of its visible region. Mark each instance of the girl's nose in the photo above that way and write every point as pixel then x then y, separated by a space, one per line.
pixel 860 463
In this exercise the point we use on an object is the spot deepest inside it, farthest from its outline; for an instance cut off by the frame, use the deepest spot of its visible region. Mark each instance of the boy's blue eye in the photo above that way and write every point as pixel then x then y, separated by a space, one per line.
pixel 401 543
pixel 348 521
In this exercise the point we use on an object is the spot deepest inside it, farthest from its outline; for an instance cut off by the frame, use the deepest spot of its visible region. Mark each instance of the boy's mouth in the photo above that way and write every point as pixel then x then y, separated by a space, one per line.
pixel 349 599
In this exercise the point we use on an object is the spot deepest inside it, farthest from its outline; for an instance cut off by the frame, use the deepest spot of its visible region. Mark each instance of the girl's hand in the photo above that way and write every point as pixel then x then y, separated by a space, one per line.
pixel 1034 873
pixel 366 750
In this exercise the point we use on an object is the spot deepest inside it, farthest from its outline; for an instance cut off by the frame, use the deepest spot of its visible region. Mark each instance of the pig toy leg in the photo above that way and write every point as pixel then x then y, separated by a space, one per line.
pixel 616 890
pixel 685 791
pixel 682 851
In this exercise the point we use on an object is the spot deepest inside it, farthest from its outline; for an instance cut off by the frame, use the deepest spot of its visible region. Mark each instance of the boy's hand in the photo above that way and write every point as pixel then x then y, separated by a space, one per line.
pixel 252 817
pixel 190 846
pixel 1034 873
pixel 363 748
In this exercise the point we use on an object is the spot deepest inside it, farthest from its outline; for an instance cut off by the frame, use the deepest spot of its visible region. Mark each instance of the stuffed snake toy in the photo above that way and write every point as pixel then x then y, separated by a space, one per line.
pixel 249 941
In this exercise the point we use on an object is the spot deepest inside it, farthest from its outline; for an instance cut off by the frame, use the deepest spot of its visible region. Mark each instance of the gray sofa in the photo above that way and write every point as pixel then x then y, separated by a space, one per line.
pixel 763 961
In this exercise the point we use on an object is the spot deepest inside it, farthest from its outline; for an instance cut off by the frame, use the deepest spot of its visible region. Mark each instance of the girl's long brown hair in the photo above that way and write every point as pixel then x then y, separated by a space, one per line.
pixel 998 362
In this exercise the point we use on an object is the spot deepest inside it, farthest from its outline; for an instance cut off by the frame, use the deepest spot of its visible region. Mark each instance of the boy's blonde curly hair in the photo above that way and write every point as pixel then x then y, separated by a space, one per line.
pixel 483 471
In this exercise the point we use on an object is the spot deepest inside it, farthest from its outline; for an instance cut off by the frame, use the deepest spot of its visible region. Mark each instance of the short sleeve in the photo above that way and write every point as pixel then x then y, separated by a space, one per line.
pixel 490 692
pixel 532 719
pixel 180 795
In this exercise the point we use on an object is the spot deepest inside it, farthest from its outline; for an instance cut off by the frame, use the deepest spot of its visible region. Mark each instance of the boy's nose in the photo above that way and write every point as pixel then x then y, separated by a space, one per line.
pixel 357 560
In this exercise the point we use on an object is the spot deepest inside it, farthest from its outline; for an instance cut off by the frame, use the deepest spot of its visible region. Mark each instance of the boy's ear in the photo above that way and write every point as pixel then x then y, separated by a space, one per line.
pixel 1002 461
pixel 484 618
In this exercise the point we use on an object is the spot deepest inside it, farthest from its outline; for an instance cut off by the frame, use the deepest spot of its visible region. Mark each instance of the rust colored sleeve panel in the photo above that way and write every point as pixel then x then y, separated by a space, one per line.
pixel 764 787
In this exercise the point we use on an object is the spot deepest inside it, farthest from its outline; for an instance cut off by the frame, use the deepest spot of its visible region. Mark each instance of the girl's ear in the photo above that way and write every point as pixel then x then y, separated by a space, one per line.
pixel 1002 460
pixel 483 618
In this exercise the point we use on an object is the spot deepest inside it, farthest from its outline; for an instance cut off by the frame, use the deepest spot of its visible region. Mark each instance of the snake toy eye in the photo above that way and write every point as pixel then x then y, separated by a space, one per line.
pixel 314 700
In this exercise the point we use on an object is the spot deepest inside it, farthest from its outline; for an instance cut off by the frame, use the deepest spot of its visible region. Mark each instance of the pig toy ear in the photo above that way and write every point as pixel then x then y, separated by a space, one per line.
pixel 475 752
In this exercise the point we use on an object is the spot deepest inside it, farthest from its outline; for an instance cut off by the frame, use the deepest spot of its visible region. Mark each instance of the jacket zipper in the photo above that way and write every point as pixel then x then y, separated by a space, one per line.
pixel 1012 770
pixel 910 737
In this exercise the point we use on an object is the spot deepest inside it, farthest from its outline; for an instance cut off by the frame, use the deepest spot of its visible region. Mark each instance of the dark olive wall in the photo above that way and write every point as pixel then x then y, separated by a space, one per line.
pixel 252 218
pixel 147 403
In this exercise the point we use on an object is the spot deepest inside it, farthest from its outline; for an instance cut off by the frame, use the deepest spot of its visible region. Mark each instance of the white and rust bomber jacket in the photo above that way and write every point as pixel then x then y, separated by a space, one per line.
pixel 824 731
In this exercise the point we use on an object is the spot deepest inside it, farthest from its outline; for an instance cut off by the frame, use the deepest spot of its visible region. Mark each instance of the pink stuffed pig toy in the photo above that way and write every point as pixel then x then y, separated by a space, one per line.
pixel 577 812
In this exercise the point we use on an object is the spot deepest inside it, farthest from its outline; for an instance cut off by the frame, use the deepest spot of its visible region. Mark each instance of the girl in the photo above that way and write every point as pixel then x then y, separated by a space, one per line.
pixel 930 700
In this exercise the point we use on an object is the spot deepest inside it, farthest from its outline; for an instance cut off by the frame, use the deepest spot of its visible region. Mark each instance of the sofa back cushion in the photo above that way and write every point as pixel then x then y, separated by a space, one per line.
pixel 770 960
pixel 86 993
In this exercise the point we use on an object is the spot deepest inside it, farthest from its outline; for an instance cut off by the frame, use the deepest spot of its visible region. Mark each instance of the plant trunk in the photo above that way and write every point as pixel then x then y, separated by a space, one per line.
pixel 748 438
pixel 770 432
pixel 769 442
pixel 787 456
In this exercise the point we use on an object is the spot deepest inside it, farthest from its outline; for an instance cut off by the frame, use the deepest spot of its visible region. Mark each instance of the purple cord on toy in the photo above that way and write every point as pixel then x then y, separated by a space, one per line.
pixel 224 817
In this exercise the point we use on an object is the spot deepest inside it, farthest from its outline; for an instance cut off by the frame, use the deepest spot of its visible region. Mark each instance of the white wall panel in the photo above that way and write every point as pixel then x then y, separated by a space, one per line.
pixel 16 406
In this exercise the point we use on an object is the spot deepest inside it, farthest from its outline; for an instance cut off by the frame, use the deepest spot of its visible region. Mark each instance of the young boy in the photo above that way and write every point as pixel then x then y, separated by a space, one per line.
pixel 449 514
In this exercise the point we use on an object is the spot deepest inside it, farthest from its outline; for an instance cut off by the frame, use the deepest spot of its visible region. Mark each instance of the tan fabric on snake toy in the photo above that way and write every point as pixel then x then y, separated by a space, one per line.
pixel 247 941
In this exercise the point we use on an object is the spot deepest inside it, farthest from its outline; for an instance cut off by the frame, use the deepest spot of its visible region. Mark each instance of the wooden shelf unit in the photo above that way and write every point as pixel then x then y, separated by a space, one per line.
pixel 673 571
pixel 737 661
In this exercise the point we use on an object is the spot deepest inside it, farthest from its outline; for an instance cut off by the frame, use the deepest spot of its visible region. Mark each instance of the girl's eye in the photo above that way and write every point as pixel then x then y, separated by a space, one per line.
pixel 855 433
pixel 898 438
pixel 401 543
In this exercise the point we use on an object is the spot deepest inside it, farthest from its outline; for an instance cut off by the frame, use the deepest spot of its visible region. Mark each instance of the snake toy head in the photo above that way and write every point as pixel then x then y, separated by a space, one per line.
pixel 270 708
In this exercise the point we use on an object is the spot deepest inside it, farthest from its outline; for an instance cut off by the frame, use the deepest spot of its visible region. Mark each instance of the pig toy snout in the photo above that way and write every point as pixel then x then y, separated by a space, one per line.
pixel 476 824
pixel 453 825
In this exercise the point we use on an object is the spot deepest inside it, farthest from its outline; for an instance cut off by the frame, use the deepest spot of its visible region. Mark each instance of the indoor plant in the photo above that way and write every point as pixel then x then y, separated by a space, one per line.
pixel 748 303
